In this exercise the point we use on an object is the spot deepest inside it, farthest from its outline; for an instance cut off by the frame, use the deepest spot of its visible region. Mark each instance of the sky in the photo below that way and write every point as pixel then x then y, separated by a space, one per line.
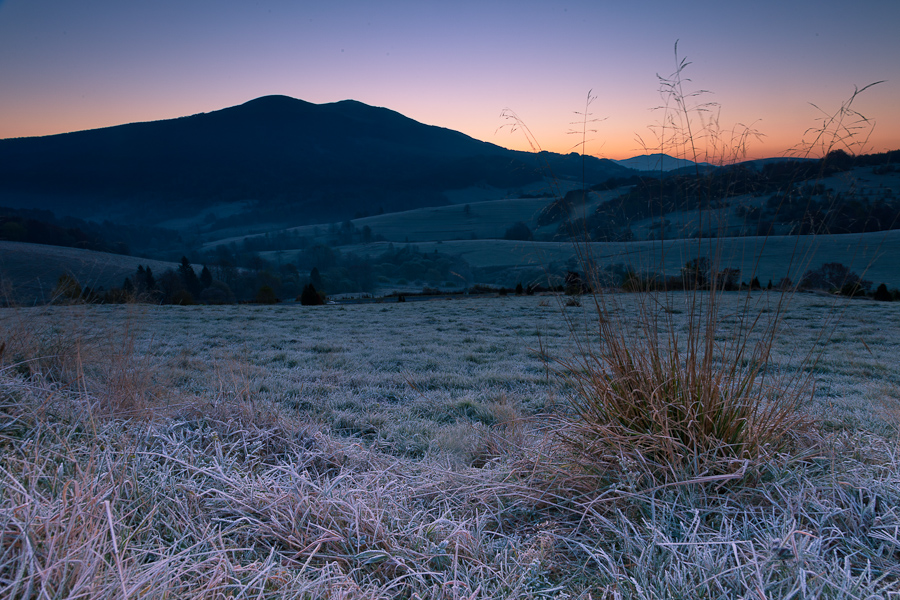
pixel 68 66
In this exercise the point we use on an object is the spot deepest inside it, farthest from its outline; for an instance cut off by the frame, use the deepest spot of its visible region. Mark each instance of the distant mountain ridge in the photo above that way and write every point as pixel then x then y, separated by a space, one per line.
pixel 665 163
pixel 659 162
pixel 285 158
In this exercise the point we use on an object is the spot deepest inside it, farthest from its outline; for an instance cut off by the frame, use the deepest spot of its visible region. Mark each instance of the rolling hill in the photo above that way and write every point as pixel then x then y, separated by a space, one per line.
pixel 276 187
pixel 658 162
pixel 871 255
pixel 29 272
pixel 277 159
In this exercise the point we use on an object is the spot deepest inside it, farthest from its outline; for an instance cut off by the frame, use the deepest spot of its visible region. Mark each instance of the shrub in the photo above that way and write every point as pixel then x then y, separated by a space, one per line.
pixel 853 289
pixel 573 284
pixel 218 292
pixel 182 297
pixel 265 295
pixel 882 294
pixel 519 232
pixel 834 276
pixel 67 288
pixel 117 296
pixel 310 297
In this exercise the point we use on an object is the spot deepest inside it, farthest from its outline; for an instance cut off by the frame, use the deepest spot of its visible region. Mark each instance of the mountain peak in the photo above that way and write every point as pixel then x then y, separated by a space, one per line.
pixel 285 156
pixel 274 106
pixel 275 100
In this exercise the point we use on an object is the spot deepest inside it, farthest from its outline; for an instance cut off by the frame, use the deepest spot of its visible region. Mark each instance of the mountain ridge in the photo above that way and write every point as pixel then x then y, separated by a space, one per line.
pixel 288 157
pixel 659 161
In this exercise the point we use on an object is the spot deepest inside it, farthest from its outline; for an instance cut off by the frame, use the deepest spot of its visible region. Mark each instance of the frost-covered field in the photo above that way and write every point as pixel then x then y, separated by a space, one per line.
pixel 387 372
pixel 396 450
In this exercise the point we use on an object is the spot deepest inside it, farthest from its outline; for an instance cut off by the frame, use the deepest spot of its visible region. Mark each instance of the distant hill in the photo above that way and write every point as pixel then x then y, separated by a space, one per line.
pixel 29 272
pixel 759 163
pixel 766 258
pixel 277 159
pixel 658 162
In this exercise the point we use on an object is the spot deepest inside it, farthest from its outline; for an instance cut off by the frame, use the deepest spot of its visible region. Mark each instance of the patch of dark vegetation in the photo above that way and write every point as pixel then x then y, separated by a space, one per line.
pixel 310 297
pixel 835 277
pixel 561 208
pixel 36 226
pixel 795 206
pixel 882 294
pixel 519 231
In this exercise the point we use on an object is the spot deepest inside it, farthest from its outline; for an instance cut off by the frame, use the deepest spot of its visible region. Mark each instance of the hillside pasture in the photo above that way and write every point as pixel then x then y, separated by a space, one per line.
pixel 486 219
pixel 725 221
pixel 29 272
pixel 475 231
pixel 491 212
pixel 872 255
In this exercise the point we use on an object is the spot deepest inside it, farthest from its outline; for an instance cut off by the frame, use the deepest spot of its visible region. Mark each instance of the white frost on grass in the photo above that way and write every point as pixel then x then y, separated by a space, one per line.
pixel 391 451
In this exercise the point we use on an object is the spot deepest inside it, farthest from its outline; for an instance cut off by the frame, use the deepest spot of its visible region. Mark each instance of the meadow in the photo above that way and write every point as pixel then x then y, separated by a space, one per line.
pixel 767 258
pixel 29 273
pixel 412 451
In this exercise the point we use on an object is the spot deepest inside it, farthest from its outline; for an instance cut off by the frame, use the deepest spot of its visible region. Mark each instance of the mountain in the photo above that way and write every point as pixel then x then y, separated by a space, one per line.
pixel 273 159
pixel 658 162
pixel 669 164
pixel 759 163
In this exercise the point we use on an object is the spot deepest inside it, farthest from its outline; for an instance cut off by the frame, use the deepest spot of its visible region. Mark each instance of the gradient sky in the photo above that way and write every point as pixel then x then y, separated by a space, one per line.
pixel 69 65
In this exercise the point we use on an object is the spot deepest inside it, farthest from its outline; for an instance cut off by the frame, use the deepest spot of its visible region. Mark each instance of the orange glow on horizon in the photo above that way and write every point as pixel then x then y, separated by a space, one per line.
pixel 611 140
pixel 69 66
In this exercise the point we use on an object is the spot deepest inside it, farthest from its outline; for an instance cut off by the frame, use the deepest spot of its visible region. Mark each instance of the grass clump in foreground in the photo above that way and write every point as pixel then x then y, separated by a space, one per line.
pixel 680 403
pixel 689 403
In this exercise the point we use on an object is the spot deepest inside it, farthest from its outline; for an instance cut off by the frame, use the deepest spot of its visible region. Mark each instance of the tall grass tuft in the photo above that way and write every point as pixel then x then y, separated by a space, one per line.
pixel 677 400
pixel 670 397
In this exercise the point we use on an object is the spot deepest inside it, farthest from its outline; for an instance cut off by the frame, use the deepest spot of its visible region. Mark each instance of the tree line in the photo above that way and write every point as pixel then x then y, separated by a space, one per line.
pixel 36 226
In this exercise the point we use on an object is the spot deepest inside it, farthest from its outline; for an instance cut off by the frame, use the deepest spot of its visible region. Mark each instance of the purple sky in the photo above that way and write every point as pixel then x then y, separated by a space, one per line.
pixel 67 65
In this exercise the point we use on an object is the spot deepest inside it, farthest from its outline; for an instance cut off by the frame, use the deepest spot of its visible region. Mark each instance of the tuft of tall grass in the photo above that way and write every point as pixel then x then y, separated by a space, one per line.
pixel 72 356
pixel 678 403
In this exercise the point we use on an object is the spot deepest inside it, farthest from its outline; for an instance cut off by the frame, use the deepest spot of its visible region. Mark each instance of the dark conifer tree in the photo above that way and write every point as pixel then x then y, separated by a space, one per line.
pixel 143 280
pixel 206 278
pixel 188 276
pixel 882 294
pixel 265 295
pixel 310 297
pixel 315 279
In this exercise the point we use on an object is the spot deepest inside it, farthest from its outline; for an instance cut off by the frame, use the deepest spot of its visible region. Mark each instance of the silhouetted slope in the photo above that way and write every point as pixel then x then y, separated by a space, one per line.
pixel 290 157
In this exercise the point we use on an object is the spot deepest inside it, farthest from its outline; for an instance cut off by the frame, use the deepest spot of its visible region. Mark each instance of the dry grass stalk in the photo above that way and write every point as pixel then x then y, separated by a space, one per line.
pixel 678 404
